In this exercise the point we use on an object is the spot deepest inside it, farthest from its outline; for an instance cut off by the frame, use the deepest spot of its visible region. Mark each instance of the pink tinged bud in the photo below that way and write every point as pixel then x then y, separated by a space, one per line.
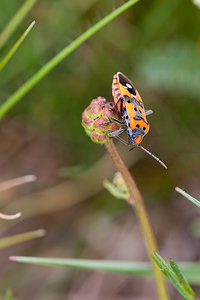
pixel 86 120
pixel 95 120
pixel 98 138
pixel 94 110
pixel 100 124
pixel 109 112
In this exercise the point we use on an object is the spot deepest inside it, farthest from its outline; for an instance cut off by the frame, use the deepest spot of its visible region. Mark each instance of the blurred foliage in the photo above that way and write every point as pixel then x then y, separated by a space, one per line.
pixel 157 45
pixel 175 276
pixel 9 295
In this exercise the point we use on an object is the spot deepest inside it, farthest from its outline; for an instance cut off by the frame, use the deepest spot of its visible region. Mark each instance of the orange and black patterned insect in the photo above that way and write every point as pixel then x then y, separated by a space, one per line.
pixel 130 105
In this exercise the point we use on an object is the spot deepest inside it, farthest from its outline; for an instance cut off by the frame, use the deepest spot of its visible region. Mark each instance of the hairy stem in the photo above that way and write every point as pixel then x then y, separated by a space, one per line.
pixel 142 216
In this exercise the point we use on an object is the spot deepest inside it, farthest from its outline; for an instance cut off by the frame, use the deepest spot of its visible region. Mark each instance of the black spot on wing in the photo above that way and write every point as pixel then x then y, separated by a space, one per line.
pixel 126 83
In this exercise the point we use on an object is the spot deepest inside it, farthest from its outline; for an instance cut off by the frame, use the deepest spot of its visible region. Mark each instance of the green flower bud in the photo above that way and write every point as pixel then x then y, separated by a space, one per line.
pixel 118 188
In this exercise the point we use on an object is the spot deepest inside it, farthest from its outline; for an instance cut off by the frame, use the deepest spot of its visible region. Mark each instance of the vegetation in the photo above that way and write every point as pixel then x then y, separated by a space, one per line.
pixel 50 72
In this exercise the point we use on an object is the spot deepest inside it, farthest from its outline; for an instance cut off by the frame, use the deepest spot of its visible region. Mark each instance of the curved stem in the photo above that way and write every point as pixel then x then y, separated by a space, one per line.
pixel 142 216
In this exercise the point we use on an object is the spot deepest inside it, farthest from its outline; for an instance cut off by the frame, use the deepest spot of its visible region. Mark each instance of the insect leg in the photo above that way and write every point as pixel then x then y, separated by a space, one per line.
pixel 121 105
pixel 148 112
pixel 116 121
pixel 108 105
pixel 121 140
pixel 114 133
pixel 113 120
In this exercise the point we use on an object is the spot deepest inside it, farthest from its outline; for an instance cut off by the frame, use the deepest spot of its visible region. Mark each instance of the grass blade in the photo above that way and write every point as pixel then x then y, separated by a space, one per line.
pixel 191 270
pixel 186 195
pixel 136 268
pixel 15 21
pixel 181 278
pixel 22 237
pixel 8 56
pixel 29 84
pixel 175 276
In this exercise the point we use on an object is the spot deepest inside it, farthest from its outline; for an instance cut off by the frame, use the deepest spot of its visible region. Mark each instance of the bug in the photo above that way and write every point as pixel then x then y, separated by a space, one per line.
pixel 131 108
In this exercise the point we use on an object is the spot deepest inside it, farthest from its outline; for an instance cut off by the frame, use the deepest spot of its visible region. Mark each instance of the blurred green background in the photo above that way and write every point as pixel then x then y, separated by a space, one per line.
pixel 157 45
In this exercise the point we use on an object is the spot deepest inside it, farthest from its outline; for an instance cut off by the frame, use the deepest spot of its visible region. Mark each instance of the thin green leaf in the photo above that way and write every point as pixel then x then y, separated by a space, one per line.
pixel 181 277
pixel 22 237
pixel 186 195
pixel 134 268
pixel 191 270
pixel 172 276
pixel 15 21
pixel 164 268
pixel 8 56
pixel 157 260
pixel 28 85
pixel 175 282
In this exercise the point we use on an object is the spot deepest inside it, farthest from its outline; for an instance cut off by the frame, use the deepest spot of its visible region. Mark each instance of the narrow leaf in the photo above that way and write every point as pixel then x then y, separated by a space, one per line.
pixel 139 269
pixel 15 21
pixel 8 56
pixel 22 237
pixel 191 270
pixel 186 195
pixel 181 277
pixel 173 274
pixel 28 85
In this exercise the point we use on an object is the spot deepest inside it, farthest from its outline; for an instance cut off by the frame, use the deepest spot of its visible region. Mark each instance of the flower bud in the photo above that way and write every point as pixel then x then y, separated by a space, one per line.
pixel 95 120
pixel 118 188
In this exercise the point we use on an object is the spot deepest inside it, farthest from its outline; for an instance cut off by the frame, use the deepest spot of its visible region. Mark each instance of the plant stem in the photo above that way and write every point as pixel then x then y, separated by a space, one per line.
pixel 142 216
pixel 30 83
pixel 15 21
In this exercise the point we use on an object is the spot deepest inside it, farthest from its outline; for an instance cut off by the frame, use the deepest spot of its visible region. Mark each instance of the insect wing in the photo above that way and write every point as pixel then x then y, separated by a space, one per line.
pixel 126 86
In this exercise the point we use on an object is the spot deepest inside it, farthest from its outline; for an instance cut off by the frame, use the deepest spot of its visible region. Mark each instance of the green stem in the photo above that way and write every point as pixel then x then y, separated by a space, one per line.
pixel 142 216
pixel 15 21
pixel 28 85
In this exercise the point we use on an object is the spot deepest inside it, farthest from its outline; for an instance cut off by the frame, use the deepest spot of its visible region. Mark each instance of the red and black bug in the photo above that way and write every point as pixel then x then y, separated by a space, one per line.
pixel 131 108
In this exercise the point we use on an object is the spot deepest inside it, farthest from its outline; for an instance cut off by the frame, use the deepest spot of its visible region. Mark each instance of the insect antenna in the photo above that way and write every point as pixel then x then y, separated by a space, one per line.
pixel 155 157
